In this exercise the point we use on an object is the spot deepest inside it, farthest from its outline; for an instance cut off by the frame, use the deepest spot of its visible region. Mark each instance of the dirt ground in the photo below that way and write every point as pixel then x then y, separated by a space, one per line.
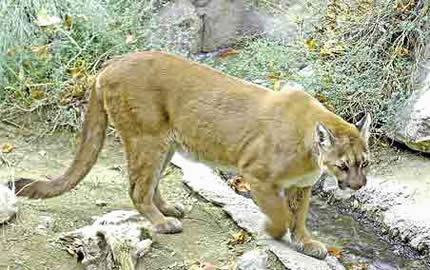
pixel 207 231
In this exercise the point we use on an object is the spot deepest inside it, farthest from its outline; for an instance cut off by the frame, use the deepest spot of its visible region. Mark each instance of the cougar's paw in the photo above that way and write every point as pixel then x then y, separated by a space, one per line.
pixel 276 231
pixel 177 210
pixel 313 248
pixel 172 225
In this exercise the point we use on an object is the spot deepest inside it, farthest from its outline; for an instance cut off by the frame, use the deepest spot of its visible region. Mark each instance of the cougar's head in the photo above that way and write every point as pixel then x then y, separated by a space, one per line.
pixel 343 152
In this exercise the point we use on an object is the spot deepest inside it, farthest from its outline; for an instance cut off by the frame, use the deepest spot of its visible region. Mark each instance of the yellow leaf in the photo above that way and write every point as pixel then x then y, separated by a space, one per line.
pixel 7 148
pixel 401 6
pixel 311 44
pixel 68 22
pixel 11 52
pixel 42 52
pixel 336 252
pixel 240 238
pixel 401 52
pixel 239 184
pixel 36 94
pixel 26 64
pixel 276 85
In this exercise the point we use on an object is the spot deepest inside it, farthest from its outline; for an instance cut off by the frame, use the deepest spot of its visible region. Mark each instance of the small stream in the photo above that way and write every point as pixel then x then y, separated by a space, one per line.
pixel 361 248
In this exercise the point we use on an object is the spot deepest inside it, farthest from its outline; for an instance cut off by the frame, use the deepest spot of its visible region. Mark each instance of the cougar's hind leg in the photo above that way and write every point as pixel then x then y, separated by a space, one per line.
pixel 177 209
pixel 144 154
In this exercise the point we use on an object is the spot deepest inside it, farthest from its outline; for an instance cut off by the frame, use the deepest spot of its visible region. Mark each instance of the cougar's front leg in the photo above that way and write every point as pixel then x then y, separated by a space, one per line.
pixel 273 204
pixel 298 200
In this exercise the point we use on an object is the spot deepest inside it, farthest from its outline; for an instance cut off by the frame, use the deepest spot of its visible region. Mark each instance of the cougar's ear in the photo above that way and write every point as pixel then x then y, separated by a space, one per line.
pixel 364 126
pixel 323 137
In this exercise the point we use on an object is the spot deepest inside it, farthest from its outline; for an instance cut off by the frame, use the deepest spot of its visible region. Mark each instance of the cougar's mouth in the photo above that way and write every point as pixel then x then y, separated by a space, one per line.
pixel 342 185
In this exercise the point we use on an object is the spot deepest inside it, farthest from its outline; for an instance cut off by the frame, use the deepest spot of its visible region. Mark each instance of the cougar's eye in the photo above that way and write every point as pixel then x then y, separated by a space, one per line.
pixel 342 167
pixel 364 164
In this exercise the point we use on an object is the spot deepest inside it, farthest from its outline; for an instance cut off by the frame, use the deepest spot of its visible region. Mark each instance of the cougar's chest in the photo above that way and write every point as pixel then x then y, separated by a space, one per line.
pixel 306 180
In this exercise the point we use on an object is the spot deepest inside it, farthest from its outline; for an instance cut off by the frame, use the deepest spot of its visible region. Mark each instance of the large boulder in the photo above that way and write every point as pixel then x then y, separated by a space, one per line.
pixel 207 25
pixel 179 26
pixel 222 21
pixel 412 125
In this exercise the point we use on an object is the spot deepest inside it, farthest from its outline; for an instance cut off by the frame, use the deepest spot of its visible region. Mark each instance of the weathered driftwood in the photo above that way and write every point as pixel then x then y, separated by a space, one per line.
pixel 114 241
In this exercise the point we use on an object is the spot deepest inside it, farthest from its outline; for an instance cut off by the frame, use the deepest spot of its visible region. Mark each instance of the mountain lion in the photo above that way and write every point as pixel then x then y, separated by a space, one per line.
pixel 160 103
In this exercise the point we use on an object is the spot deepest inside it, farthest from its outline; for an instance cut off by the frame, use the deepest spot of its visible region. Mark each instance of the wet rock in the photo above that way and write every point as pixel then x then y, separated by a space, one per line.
pixel 8 204
pixel 253 260
pixel 297 261
pixel 245 213
pixel 114 241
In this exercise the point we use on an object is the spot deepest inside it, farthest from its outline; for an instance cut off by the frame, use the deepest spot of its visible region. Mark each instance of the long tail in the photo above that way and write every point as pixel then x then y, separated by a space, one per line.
pixel 92 139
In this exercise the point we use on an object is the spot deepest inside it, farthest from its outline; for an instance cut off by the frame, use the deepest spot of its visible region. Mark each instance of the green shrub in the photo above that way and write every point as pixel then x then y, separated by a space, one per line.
pixel 46 69
pixel 365 52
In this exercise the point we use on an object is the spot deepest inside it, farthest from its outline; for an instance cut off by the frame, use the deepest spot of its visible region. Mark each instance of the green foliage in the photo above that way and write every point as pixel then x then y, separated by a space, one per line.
pixel 365 53
pixel 258 59
pixel 49 50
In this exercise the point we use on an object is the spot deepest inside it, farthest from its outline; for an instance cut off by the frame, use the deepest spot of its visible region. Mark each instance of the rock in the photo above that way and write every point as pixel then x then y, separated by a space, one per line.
pixel 422 73
pixel 222 22
pixel 292 85
pixel 201 25
pixel 307 71
pixel 101 203
pixel 114 241
pixel 412 123
pixel 253 260
pixel 207 25
pixel 179 26
pixel 245 213
pixel 297 261
pixel 45 223
pixel 307 80
pixel 8 204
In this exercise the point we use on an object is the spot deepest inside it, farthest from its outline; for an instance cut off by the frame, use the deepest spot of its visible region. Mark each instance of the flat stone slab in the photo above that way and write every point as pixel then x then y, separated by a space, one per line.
pixel 253 260
pixel 202 179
